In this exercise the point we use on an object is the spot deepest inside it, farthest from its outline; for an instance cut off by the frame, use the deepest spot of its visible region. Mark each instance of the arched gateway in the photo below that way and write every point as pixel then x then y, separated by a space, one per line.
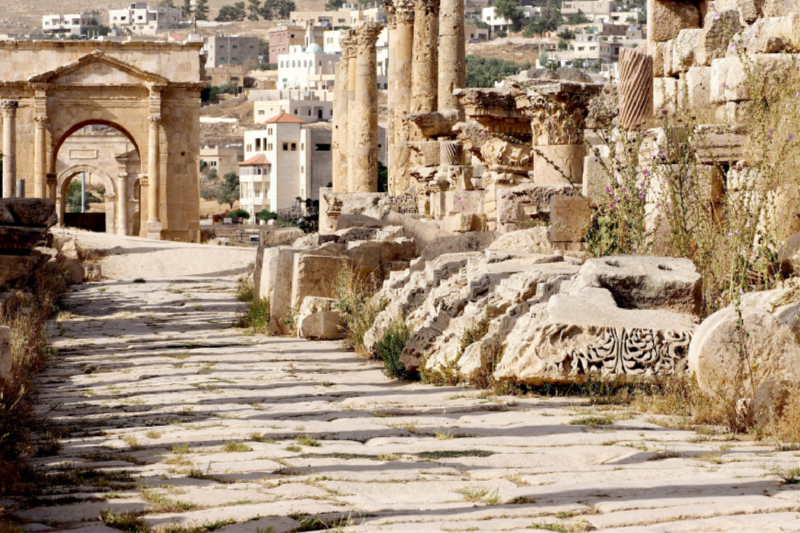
pixel 150 91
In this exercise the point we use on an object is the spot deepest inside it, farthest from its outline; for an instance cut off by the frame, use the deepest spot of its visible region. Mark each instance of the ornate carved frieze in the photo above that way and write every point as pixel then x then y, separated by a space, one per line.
pixel 498 154
pixel 630 351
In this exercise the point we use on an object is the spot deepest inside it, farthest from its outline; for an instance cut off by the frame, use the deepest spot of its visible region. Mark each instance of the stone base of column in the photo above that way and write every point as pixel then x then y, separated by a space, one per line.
pixel 559 164
pixel 154 228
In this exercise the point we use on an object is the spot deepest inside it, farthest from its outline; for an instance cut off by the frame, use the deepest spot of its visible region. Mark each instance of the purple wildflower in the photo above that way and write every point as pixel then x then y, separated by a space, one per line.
pixel 646 172
pixel 790 138
pixel 716 16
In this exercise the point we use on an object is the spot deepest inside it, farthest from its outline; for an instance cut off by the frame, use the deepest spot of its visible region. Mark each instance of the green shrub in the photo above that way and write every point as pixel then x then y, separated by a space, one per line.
pixel 390 347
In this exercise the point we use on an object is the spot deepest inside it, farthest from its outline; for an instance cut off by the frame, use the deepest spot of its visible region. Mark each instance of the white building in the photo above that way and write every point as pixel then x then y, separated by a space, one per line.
pixel 232 50
pixel 285 160
pixel 499 23
pixel 142 19
pixel 77 24
pixel 331 46
pixel 307 69
pixel 310 110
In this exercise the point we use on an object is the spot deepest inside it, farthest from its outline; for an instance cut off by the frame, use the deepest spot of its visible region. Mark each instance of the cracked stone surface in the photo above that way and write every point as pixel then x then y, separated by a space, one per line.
pixel 216 427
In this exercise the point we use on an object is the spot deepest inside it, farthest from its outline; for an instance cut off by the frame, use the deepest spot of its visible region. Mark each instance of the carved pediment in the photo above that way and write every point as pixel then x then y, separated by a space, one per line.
pixel 98 69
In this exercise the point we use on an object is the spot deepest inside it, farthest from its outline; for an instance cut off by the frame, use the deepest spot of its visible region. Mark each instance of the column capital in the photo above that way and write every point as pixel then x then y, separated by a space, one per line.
pixel 429 7
pixel 143 180
pixel 9 107
pixel 52 178
pixel 347 42
pixel 557 110
pixel 154 120
pixel 367 34
pixel 41 121
pixel 390 13
pixel 404 11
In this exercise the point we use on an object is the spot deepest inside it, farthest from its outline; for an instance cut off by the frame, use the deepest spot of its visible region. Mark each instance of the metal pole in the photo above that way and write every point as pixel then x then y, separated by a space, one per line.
pixel 20 188
pixel 83 192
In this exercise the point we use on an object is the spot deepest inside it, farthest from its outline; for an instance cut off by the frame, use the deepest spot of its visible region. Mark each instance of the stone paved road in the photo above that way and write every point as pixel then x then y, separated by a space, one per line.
pixel 279 434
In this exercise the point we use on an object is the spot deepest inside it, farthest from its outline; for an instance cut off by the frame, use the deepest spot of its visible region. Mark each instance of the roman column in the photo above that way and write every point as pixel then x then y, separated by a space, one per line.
pixel 635 88
pixel 390 77
pixel 452 54
pixel 40 157
pixel 403 56
pixel 363 125
pixel 351 118
pixel 423 72
pixel 153 179
pixel 340 111
pixel 9 146
pixel 122 198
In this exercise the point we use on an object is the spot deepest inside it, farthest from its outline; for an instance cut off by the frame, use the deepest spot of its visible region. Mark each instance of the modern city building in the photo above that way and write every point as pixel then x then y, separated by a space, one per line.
pixel 232 50
pixel 77 24
pixel 142 19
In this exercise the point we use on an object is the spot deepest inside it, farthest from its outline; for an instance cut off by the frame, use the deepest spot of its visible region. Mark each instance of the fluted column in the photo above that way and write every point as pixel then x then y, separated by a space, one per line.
pixel 364 121
pixel 9 147
pixel 452 54
pixel 341 101
pixel 40 157
pixel 403 56
pixel 635 88
pixel 424 69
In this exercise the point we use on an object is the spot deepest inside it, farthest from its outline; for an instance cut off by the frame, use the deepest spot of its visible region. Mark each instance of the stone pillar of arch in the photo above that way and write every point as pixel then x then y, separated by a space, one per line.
pixel 340 112
pixel 364 118
pixel 9 108
pixel 403 55
pixel 40 157
pixel 154 224
pixel 424 77
pixel 52 182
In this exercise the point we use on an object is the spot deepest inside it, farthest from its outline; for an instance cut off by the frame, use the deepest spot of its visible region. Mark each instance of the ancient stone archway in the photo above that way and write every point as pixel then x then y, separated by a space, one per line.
pixel 62 184
pixel 150 91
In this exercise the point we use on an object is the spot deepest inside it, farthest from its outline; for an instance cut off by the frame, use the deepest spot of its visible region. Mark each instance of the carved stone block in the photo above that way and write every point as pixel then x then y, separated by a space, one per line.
pixel 569 219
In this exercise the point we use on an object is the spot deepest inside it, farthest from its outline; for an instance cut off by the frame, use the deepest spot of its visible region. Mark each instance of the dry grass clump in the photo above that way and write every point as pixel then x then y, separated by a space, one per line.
pixel 255 315
pixel 30 352
pixel 356 306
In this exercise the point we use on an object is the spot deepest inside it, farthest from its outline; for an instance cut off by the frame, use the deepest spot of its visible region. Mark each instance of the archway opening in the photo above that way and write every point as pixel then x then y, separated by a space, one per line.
pixel 97 173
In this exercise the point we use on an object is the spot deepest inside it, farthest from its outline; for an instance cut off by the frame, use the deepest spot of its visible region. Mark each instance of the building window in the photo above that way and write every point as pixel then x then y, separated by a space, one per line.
pixel 309 112
pixel 221 46
pixel 285 147
pixel 323 148
pixel 295 111
pixel 302 146
pixel 258 145
pixel 260 111
pixel 294 147
pixel 249 147
pixel 235 46
pixel 269 131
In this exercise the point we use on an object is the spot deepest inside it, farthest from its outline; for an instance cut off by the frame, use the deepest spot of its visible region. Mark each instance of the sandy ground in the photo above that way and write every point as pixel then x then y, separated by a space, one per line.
pixel 201 424
pixel 128 258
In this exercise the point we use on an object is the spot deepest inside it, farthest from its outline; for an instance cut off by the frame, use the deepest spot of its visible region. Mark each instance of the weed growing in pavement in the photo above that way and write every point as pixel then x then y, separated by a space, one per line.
pixel 232 446
pixel 390 347
pixel 356 306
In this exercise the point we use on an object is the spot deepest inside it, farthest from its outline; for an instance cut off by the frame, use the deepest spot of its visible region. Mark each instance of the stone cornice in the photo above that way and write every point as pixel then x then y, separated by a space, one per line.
pixel 89 46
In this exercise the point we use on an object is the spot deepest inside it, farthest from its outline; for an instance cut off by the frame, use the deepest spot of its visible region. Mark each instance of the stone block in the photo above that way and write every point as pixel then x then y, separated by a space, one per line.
pixel 595 179
pixel 14 268
pixel 780 8
pixel 748 10
pixel 698 88
pixel 275 282
pixel 766 350
pixel 683 49
pixel 671 69
pixel 734 112
pixel 352 220
pixel 425 154
pixel 437 202
pixel 665 92
pixel 559 164
pixel 657 51
pixel 6 355
pixel 718 28
pixel 570 218
pixel 20 239
pixel 728 75
pixel 32 212
pixel 74 271
pixel 460 177
pixel 666 18
pixel 572 337
pixel 771 35
pixel 365 256
pixel 319 319
pixel 93 272
pixel 463 222
pixel 529 241
pixel 315 275
pixel 463 202
pixel 645 282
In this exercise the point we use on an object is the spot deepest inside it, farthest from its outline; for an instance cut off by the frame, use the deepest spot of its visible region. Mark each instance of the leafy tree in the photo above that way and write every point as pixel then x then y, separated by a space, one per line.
pixel 266 215
pixel 501 33
pixel 202 9
pixel 544 59
pixel 482 72
pixel 228 191
pixel 309 222
pixel 234 13
pixel 509 10
pixel 254 8
pixel 383 178
pixel 566 35
pixel 167 3
pixel 285 8
pixel 563 45
pixel 74 196
pixel 334 5
pixel 578 18
pixel 239 213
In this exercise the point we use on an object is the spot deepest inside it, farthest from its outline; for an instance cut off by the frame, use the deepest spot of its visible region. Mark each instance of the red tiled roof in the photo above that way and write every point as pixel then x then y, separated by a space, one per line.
pixel 284 117
pixel 258 159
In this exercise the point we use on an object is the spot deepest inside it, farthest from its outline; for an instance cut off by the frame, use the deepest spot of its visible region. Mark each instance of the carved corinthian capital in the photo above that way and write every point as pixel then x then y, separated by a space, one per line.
pixel 404 11
pixel 41 120
pixel 391 13
pixel 367 34
pixel 9 107
pixel 347 42
pixel 154 121
pixel 557 110
pixel 427 7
